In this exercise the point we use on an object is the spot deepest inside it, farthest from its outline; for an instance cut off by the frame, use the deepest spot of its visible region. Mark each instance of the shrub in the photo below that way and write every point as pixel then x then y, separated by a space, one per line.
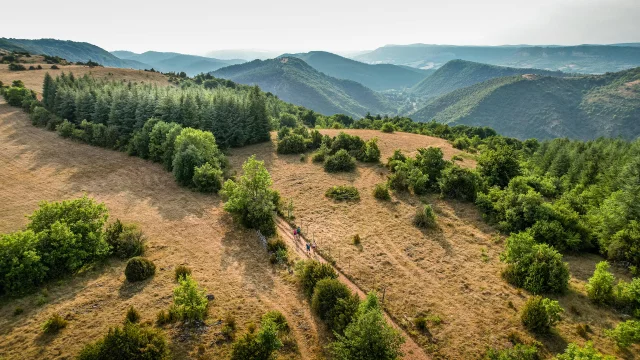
pixel 15 95
pixel 325 297
pixel 125 240
pixel 54 67
pixel 139 268
pixel 190 302
pixel 624 244
pixel 387 128
pixel 258 346
pixel 458 183
pixel 575 352
pixel 54 324
pixel 16 67
pixel 132 342
pixel 600 286
pixel 207 178
pixel 518 352
pixel 627 296
pixel 421 323
pixel 462 143
pixel 381 192
pixel 132 316
pixel 425 217
pixel 341 161
pixel 276 244
pixel 291 144
pixel 194 148
pixel 310 272
pixel 540 314
pixel 318 156
pixel 18 311
pixel 535 267
pixel 21 268
pixel 66 129
pixel 167 317
pixel 499 166
pixel 181 271
pixel 40 116
pixel 343 193
pixel 278 319
pixel 625 333
pixel 355 240
pixel 370 151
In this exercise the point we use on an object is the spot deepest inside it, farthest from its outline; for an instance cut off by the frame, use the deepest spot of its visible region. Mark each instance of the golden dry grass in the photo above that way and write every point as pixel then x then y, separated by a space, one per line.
pixel 33 79
pixel 183 227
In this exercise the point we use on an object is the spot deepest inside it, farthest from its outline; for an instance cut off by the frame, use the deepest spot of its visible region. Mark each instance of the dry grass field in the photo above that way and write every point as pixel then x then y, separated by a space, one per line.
pixel 451 273
pixel 33 79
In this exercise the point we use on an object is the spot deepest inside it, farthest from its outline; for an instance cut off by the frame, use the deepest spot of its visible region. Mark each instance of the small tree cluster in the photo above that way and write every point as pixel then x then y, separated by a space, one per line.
pixel 189 301
pixel 260 345
pixel 343 193
pixel 540 314
pixel 132 341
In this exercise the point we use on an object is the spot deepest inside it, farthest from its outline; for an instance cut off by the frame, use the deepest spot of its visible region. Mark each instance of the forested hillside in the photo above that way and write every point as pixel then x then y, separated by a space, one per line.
pixel 457 74
pixel 71 51
pixel 295 81
pixel 377 77
pixel 175 62
pixel 581 59
pixel 584 107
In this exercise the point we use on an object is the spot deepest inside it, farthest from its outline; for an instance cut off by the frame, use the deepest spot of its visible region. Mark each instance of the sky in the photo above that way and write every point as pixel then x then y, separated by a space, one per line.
pixel 200 26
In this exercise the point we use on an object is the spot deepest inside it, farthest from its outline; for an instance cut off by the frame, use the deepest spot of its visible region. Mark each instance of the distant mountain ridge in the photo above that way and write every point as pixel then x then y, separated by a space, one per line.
pixel 457 74
pixel 71 51
pixel 176 62
pixel 377 77
pixel 294 81
pixel 580 58
pixel 525 106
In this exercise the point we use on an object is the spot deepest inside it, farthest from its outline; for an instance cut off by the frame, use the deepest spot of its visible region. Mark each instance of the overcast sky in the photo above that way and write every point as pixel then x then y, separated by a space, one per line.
pixel 196 27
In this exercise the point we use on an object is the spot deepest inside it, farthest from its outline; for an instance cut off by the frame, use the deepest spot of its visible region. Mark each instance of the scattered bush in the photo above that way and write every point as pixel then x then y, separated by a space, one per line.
pixel 16 95
pixel 627 296
pixel 194 148
pixel 325 297
pixel 21 268
pixel 381 192
pixel 355 240
pixel 54 324
pixel 207 178
pixel 16 67
pixel 425 217
pixel 132 316
pixel 540 314
pixel 535 267
pixel 343 193
pixel 132 341
pixel 259 346
pixel 291 144
pixel 458 183
pixel 278 319
pixel 310 272
pixel 18 311
pixel 65 129
pixel 575 352
pixel 370 151
pixel 518 352
pixel 600 286
pixel 54 67
pixel 276 244
pixel 387 128
pixel 181 271
pixel 625 333
pixel 318 156
pixel 341 161
pixel 125 240
pixel 190 302
pixel 167 317
pixel 139 268
pixel 421 323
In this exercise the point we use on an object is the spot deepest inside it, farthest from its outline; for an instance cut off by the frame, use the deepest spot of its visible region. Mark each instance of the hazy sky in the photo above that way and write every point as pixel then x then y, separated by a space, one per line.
pixel 196 27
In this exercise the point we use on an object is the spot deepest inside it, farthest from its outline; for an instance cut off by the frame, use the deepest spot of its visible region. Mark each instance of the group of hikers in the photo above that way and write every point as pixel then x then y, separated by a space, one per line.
pixel 297 235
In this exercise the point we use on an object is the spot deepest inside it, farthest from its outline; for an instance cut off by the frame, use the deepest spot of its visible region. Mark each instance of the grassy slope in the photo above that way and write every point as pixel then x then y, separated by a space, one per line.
pixel 545 107
pixel 296 82
pixel 457 74
pixel 377 77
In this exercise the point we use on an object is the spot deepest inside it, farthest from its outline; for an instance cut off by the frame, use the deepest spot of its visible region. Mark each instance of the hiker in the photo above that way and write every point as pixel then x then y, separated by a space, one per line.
pixel 295 234
pixel 299 231
pixel 308 247
pixel 313 246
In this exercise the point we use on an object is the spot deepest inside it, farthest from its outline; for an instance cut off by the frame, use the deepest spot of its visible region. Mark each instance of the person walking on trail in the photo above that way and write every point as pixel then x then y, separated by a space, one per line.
pixel 313 246
pixel 299 231
pixel 308 247
pixel 295 234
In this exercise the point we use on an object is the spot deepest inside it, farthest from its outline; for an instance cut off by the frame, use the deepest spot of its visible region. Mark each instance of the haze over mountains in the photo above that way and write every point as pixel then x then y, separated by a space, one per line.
pixel 169 61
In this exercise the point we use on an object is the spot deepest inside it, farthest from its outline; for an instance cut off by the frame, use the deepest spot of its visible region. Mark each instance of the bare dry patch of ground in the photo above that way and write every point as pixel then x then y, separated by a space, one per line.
pixel 451 272
pixel 183 227
pixel 33 79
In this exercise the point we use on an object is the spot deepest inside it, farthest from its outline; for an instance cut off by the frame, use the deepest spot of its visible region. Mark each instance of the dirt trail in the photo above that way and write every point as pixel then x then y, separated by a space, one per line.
pixel 410 348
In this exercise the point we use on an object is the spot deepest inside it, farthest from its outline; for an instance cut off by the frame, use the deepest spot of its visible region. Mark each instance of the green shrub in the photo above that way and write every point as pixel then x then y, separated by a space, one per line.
pixel 625 333
pixel 132 342
pixel 343 193
pixel 318 156
pixel 291 144
pixel 125 240
pixel 139 268
pixel 381 192
pixel 425 217
pixel 21 267
pixel 278 319
pixel 325 297
pixel 40 116
pixel 167 317
pixel 575 352
pixel 499 166
pixel 190 302
pixel 16 67
pixel 462 143
pixel 310 272
pixel 18 311
pixel 518 352
pixel 341 161
pixel 132 316
pixel 397 158
pixel 458 183
pixel 207 178
pixel 421 323
pixel 16 95
pixel 355 240
pixel 540 314
pixel 600 286
pixel 370 151
pixel 54 324
pixel 627 296
pixel 537 268
pixel 387 128
pixel 623 244
pixel 66 129
pixel 276 244
pixel 257 346
pixel 194 148
pixel 181 271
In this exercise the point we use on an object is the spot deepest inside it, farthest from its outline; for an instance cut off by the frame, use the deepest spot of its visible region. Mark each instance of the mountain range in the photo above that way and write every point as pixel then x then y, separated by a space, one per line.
pixel 295 81
pixel 170 61
pixel 544 107
pixel 592 59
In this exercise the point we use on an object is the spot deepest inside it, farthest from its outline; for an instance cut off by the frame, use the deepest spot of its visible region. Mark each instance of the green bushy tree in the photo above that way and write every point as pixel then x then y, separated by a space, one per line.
pixel 625 333
pixel 132 341
pixel 139 268
pixel 600 286
pixel 499 166
pixel 341 161
pixel 190 302
pixel 458 183
pixel 21 268
pixel 310 272
pixel 206 178
pixel 194 148
pixel 540 314
pixel 575 352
